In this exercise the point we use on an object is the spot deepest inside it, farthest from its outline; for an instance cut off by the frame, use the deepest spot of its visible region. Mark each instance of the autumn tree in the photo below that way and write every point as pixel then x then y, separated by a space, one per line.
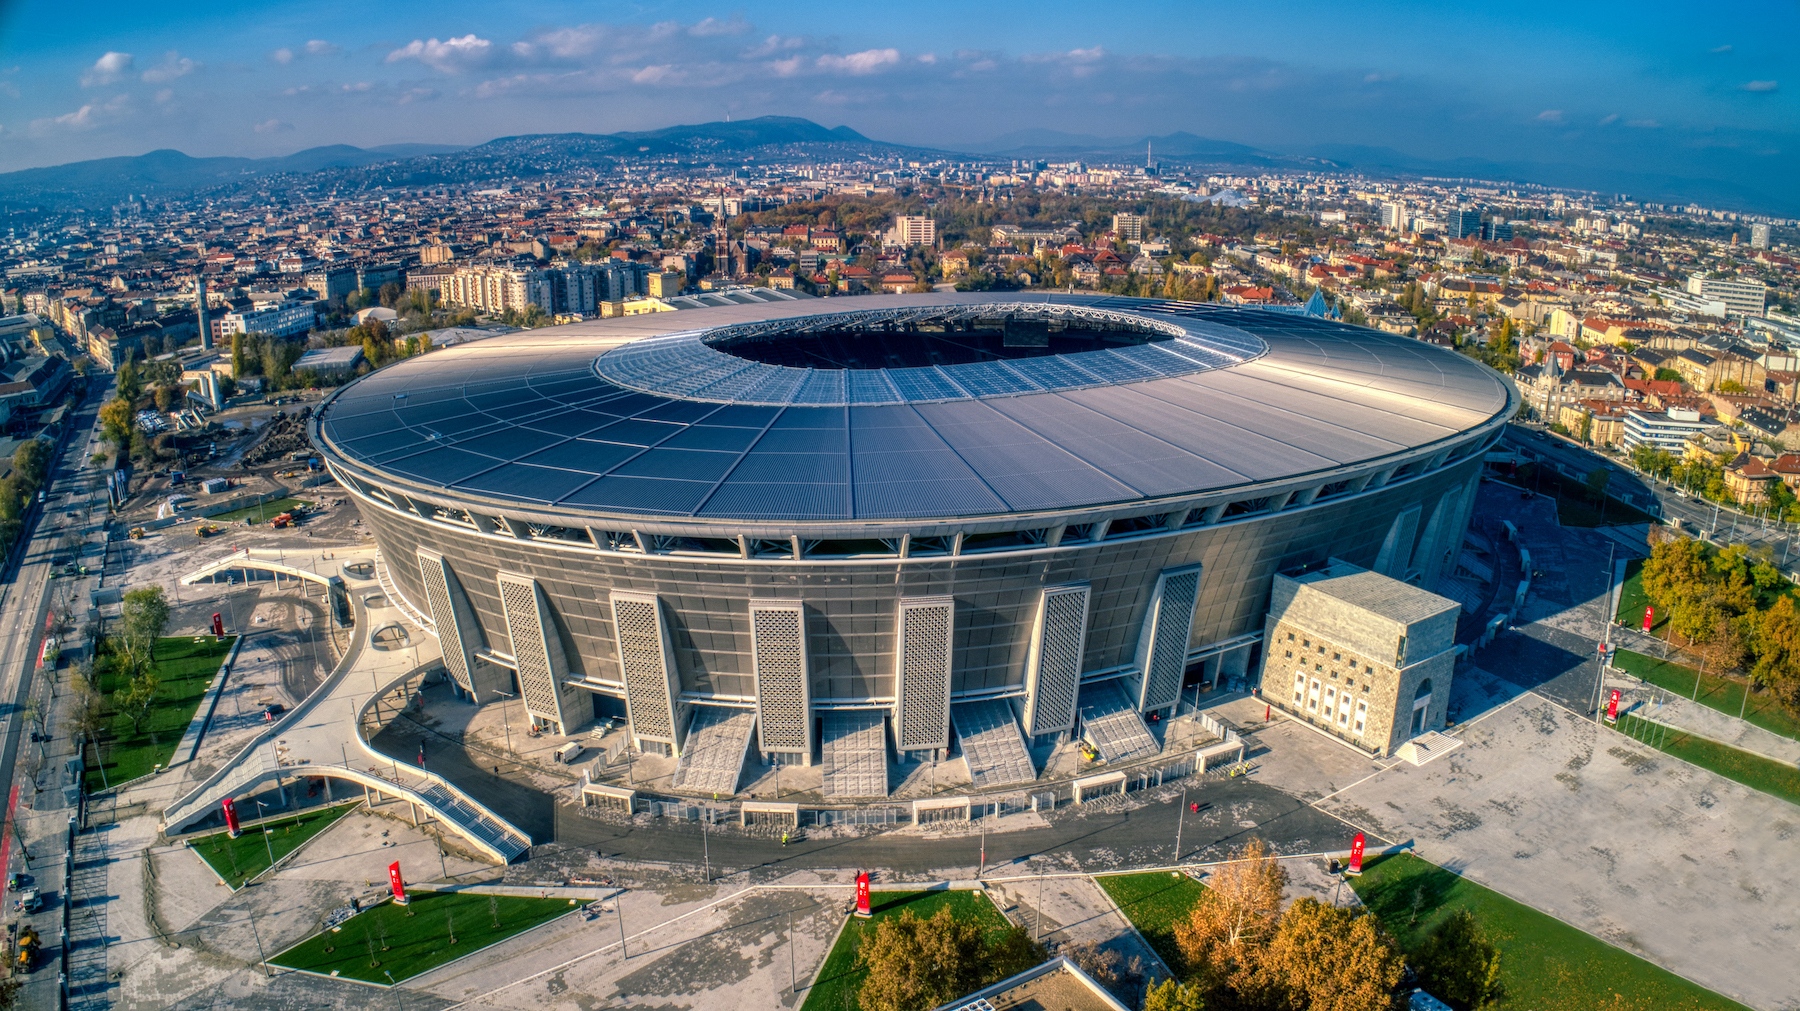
pixel 115 422
pixel 1458 964
pixel 1327 959
pixel 1778 651
pixel 1223 936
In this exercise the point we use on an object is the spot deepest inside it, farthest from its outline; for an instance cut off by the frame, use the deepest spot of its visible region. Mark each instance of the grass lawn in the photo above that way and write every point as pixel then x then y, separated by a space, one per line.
pixel 840 979
pixel 1545 964
pixel 1754 771
pixel 1633 599
pixel 238 860
pixel 261 513
pixel 1155 903
pixel 1723 694
pixel 185 665
pixel 416 937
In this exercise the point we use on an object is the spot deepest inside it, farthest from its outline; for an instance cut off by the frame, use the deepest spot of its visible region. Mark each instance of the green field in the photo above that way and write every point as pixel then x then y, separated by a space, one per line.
pixel 1545 964
pixel 1155 903
pixel 840 979
pixel 1633 599
pixel 1754 771
pixel 260 513
pixel 407 940
pixel 185 666
pixel 238 860
pixel 1723 694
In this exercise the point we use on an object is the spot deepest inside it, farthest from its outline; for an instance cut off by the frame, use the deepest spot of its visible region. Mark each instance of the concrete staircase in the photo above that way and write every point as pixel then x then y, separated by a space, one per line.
pixel 712 759
pixel 992 744
pixel 1112 726
pixel 854 746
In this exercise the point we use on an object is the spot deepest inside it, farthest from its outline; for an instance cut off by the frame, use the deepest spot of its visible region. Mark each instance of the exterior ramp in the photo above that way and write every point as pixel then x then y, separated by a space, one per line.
pixel 1112 726
pixel 992 744
pixel 713 757
pixel 854 744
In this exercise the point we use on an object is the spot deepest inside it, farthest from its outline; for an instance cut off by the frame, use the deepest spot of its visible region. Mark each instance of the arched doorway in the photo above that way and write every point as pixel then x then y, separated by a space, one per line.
pixel 1421 706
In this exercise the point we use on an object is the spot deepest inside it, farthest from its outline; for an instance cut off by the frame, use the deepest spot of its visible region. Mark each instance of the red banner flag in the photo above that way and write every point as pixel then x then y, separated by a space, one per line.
pixel 218 625
pixel 1612 707
pixel 1356 854
pixel 1649 617
pixel 396 884
pixel 231 819
pixel 862 894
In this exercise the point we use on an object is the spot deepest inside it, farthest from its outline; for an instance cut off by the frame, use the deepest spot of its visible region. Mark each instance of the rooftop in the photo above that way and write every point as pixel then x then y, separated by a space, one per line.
pixel 1390 598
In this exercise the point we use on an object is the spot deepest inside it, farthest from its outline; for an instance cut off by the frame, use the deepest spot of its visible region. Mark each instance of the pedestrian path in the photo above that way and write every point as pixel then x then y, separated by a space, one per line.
pixel 317 738
pixel 1654 703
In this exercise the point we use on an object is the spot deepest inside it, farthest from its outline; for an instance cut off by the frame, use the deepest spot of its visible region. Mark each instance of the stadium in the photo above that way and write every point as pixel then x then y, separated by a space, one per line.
pixel 853 530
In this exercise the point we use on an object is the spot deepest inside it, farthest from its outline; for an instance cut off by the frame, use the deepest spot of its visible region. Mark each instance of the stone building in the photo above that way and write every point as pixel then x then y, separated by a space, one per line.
pixel 1361 656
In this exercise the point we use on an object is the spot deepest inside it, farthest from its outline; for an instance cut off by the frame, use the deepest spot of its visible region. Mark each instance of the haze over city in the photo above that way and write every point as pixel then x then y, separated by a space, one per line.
pixel 1645 99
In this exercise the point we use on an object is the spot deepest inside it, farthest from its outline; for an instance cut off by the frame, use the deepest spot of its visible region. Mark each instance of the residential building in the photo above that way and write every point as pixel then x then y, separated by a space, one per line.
pixel 1364 657
pixel 1129 227
pixel 1759 236
pixel 331 284
pixel 913 230
pixel 1393 217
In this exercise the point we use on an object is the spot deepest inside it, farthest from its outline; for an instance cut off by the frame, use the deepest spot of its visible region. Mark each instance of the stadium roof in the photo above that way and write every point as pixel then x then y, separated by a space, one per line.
pixel 1173 399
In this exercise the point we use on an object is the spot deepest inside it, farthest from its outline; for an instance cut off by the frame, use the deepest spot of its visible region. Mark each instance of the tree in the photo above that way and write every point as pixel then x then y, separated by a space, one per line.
pixel 135 699
pixel 1778 651
pixel 1328 959
pixel 115 422
pixel 146 614
pixel 1597 478
pixel 1458 964
pixel 915 964
pixel 1221 939
pixel 1173 996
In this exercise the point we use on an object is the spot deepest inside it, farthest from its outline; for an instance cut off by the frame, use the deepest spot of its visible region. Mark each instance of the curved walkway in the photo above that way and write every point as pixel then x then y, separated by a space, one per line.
pixel 314 739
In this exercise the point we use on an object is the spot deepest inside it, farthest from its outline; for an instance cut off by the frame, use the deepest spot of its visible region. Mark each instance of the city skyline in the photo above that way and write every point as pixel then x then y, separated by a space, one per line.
pixel 1658 107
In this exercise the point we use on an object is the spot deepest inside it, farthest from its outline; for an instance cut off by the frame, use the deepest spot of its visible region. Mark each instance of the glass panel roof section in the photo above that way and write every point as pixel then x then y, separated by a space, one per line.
pixel 933 353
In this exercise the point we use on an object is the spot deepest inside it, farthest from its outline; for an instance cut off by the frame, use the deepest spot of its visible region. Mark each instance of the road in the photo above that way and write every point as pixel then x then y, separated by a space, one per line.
pixel 40 785
pixel 1720 524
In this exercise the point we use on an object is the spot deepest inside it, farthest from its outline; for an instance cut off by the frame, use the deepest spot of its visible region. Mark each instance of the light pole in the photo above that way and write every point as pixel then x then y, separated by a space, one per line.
pixel 705 846
pixel 1179 812
pixel 619 908
pixel 259 948
pixel 504 719
pixel 267 832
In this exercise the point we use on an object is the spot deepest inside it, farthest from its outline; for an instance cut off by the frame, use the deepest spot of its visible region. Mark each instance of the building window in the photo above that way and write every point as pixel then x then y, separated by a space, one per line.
pixel 1349 682
pixel 1336 657
pixel 1312 697
pixel 1290 654
pixel 1334 675
pixel 1321 649
pixel 1299 688
pixel 1362 714
pixel 1290 637
pixel 1304 642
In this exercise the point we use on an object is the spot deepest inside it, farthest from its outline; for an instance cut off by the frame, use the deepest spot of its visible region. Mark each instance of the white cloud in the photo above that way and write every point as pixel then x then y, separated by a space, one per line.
pixel 272 126
pixel 713 26
pixel 448 56
pixel 357 86
pixel 772 45
pixel 284 55
pixel 416 95
pixel 1721 49
pixel 788 67
pixel 868 61
pixel 105 70
pixel 1762 85
pixel 661 74
pixel 1086 55
pixel 319 47
pixel 1609 119
pixel 173 65
pixel 1550 116
pixel 165 95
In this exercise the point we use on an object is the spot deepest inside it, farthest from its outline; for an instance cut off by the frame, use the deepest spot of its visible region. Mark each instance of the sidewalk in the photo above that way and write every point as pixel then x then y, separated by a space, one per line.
pixel 1654 703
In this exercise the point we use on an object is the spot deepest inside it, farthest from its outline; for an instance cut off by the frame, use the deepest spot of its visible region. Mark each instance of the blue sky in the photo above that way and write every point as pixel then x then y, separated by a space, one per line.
pixel 1650 98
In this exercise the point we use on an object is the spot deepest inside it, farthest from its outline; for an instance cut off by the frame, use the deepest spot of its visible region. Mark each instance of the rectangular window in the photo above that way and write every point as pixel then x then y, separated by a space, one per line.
pixel 1299 688
pixel 1362 716
pixel 1290 654
pixel 1312 697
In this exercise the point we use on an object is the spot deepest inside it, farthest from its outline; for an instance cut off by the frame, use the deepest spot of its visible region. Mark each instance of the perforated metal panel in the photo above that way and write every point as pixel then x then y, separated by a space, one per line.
pixel 649 667
pixel 457 647
pixel 783 695
pixel 1163 642
pixel 537 652
pixel 1053 667
pixel 922 693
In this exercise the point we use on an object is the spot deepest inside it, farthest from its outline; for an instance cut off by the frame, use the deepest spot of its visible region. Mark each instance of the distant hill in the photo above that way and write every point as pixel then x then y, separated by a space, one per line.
pixel 106 181
pixel 1180 146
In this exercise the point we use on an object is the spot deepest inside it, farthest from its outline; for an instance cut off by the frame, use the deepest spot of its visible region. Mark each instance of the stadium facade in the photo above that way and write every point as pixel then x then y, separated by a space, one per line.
pixel 1039 513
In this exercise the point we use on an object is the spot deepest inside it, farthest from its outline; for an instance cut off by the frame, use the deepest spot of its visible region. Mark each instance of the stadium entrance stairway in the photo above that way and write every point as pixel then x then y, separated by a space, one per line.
pixel 712 758
pixel 992 744
pixel 854 746
pixel 1112 726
